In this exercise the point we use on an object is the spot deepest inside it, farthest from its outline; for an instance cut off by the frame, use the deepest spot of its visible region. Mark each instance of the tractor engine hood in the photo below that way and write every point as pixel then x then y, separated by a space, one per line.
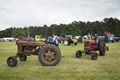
pixel 90 41
pixel 31 43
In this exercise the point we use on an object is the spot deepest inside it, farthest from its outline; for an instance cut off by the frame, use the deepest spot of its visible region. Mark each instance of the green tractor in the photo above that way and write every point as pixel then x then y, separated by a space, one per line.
pixel 68 40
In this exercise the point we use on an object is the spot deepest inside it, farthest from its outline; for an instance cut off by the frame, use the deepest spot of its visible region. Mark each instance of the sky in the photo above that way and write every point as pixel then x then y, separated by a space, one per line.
pixel 21 13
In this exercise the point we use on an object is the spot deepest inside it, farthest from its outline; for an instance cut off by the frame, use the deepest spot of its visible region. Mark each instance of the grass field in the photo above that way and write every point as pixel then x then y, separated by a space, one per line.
pixel 70 68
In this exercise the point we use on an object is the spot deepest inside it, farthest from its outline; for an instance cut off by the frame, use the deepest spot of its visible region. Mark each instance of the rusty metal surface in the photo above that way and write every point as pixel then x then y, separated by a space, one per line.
pixel 28 37
pixel 31 43
pixel 28 45
pixel 49 56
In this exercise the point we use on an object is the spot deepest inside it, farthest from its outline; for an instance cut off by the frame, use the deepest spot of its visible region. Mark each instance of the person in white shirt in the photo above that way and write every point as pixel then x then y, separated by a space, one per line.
pixel 55 39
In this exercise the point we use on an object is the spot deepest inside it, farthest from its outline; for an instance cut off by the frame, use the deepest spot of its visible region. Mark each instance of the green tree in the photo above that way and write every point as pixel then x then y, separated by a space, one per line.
pixel 9 31
pixel 18 32
pixel 71 29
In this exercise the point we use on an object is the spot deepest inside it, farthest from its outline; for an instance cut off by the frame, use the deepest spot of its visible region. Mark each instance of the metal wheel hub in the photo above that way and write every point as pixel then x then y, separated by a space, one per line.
pixel 49 55
pixel 22 57
pixel 95 56
pixel 79 54
pixel 11 61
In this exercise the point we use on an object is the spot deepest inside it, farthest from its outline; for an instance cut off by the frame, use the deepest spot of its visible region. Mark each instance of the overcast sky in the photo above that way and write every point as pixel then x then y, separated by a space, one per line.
pixel 21 13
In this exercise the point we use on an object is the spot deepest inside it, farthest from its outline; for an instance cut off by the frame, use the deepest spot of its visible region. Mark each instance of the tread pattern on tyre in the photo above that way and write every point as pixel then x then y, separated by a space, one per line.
pixel 57 49
pixel 102 43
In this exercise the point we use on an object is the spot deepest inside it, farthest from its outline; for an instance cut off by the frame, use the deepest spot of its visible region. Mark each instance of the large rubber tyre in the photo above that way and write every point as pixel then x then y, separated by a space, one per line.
pixel 49 55
pixel 102 48
pixel 65 43
pixel 12 61
pixel 78 54
pixel 94 56
pixel 23 57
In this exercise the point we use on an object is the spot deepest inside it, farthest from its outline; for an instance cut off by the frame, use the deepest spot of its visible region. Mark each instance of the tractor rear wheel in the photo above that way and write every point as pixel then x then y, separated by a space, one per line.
pixel 78 54
pixel 12 61
pixel 102 48
pixel 94 56
pixel 23 57
pixel 49 55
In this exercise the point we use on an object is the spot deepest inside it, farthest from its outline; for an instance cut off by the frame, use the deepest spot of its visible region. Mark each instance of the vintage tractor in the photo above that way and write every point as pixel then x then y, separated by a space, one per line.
pixel 90 45
pixel 109 37
pixel 68 40
pixel 48 54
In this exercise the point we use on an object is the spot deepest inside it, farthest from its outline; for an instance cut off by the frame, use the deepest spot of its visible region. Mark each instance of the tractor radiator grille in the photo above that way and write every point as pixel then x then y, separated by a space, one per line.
pixel 86 44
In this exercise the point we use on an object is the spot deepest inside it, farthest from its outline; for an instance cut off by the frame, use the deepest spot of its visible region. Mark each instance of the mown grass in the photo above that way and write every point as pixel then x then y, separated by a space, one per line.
pixel 70 68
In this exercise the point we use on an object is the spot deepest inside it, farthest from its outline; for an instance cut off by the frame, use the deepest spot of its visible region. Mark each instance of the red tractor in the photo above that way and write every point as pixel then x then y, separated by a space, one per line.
pixel 90 45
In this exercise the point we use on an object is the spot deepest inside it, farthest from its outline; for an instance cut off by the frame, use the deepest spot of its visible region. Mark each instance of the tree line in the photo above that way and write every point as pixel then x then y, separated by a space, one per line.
pixel 76 28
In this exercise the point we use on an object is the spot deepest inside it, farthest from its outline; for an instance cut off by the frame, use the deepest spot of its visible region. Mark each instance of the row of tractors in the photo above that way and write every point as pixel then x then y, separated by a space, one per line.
pixel 49 54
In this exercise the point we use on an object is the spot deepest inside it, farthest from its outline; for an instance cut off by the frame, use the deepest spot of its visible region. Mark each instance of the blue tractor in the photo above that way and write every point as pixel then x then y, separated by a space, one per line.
pixel 109 37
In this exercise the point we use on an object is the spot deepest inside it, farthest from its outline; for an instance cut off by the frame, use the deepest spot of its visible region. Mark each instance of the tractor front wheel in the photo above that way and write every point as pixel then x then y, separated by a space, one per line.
pixel 94 56
pixel 78 54
pixel 12 61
